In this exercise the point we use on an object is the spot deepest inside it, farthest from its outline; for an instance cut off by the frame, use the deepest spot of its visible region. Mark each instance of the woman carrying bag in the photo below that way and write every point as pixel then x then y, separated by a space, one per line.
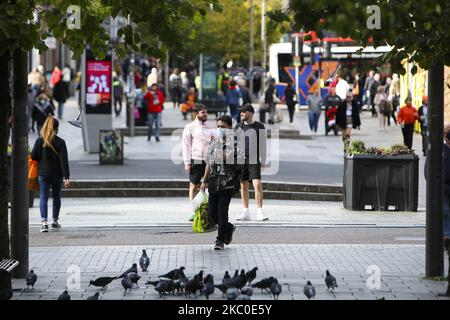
pixel 222 178
pixel 50 152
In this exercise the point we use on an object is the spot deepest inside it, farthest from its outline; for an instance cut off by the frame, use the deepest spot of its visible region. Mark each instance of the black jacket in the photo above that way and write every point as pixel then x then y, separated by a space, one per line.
pixel 51 163
pixel 341 115
pixel 421 115
pixel 223 176
pixel 446 164
pixel 289 94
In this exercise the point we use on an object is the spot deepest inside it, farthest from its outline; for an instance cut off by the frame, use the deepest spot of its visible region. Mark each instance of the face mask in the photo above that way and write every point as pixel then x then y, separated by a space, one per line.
pixel 221 132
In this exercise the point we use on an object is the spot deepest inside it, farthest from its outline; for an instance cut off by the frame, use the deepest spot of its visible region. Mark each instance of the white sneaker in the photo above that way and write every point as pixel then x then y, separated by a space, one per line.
pixel 260 215
pixel 245 215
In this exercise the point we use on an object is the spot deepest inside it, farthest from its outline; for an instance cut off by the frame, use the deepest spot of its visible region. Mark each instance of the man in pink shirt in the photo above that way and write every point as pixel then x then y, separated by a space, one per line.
pixel 196 139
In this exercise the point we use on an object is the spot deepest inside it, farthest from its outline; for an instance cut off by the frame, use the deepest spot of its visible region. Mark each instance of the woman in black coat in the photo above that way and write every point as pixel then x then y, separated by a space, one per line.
pixel 347 118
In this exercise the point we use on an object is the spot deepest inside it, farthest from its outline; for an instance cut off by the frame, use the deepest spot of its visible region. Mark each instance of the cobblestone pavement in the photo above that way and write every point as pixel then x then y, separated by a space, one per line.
pixel 400 267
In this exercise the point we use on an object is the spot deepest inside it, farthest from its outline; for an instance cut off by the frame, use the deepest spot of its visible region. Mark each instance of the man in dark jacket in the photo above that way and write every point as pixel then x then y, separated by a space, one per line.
pixel 347 118
pixel 423 111
pixel 330 100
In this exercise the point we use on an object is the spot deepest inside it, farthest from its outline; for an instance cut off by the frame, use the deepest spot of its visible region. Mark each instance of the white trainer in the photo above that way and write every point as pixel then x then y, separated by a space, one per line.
pixel 245 215
pixel 260 215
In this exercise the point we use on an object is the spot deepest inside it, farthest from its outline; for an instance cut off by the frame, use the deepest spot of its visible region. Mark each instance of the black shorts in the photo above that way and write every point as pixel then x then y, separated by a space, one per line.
pixel 251 172
pixel 197 171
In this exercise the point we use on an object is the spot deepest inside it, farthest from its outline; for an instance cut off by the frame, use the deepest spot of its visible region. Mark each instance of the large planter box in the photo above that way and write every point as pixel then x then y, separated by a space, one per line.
pixel 381 183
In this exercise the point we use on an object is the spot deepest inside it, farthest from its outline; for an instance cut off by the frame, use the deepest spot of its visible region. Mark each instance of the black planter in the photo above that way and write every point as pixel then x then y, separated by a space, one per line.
pixel 381 183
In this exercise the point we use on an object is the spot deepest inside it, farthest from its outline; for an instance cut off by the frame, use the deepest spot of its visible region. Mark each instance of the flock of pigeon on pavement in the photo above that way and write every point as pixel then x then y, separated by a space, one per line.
pixel 238 287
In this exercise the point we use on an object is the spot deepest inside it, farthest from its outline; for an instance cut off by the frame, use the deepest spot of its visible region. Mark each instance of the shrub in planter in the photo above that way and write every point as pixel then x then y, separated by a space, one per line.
pixel 380 179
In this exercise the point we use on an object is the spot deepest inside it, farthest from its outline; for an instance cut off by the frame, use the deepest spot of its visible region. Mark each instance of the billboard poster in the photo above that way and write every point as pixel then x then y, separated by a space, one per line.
pixel 98 87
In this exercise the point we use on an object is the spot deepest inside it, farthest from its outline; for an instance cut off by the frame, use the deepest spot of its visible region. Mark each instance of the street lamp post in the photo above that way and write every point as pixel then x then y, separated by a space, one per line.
pixel 263 44
pixel 251 45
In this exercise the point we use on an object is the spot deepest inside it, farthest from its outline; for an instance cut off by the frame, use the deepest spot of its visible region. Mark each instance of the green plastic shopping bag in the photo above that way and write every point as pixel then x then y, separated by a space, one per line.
pixel 202 222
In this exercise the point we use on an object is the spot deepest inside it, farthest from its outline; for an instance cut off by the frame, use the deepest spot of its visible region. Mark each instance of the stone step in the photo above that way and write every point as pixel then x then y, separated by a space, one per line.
pixel 184 184
pixel 183 192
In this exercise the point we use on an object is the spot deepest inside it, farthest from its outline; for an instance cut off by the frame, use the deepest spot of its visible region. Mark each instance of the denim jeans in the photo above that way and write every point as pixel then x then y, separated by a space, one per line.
pixel 234 112
pixel 154 117
pixel 45 182
pixel 446 215
pixel 313 120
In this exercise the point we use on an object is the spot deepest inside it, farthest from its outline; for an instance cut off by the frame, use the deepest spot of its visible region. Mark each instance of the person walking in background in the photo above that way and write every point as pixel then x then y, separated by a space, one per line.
pixel 331 102
pixel 423 113
pixel 232 100
pixel 374 84
pixel 290 97
pixel 252 134
pixel 188 105
pixel 380 102
pixel 270 101
pixel 222 178
pixel 196 139
pixel 60 95
pixel 155 99
pixel 394 96
pixel 314 102
pixel 406 117
pixel 245 93
pixel 184 85
pixel 347 118
pixel 118 94
pixel 67 78
pixel 152 77
pixel 50 152
pixel 42 109
pixel 175 87
pixel 56 76
pixel 357 92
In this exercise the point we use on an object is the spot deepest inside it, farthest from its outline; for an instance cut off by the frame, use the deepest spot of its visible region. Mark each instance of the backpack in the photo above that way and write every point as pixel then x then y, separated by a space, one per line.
pixel 385 107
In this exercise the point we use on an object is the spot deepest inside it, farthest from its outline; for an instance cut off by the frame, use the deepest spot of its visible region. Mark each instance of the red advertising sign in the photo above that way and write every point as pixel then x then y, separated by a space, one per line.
pixel 98 86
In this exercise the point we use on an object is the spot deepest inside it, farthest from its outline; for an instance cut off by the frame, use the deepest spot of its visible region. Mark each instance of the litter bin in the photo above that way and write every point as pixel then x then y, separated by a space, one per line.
pixel 381 183
pixel 111 147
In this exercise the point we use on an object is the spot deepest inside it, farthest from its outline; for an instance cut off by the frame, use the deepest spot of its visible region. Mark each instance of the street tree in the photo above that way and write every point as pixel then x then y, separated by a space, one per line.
pixel 25 24
pixel 417 31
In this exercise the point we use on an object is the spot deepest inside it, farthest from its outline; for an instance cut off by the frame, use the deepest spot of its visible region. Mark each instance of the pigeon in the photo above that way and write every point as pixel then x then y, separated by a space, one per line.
pixel 208 288
pixel 31 279
pixel 236 274
pixel 180 282
pixel 226 278
pixel 247 291
pixel 239 281
pixel 222 287
pixel 232 293
pixel 382 298
pixel 144 261
pixel 264 284
pixel 243 297
pixel 127 284
pixel 193 285
pixel 164 287
pixel 172 275
pixel 200 275
pixel 275 289
pixel 309 290
pixel 134 277
pixel 102 282
pixel 251 275
pixel 132 269
pixel 330 281
pixel 64 296
pixel 94 297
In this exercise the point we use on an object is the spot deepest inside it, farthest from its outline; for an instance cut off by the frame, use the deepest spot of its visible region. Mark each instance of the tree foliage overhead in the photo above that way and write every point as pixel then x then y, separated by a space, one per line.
pixel 155 23
pixel 226 34
pixel 416 29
